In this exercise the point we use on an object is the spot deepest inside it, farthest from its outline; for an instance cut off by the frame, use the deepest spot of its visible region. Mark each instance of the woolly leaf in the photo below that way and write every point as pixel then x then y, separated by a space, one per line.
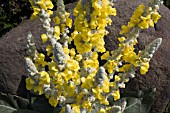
pixel 139 102
pixel 42 105
pixel 14 104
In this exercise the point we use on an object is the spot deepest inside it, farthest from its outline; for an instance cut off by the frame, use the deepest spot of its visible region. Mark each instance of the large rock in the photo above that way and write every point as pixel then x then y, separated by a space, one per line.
pixel 159 73
pixel 13 50
pixel 12 53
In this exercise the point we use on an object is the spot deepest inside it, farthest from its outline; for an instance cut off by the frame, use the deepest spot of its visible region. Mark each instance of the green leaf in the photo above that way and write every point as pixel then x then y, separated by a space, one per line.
pixel 24 111
pixel 6 103
pixel 138 101
pixel 14 104
pixel 42 105
pixel 14 101
pixel 5 108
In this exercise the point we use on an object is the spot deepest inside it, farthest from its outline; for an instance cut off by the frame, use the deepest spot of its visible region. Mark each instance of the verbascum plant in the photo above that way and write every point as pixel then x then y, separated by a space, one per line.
pixel 73 78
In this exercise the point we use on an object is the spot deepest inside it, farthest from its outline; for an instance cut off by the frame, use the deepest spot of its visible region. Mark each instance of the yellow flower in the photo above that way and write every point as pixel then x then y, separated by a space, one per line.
pixel 73 65
pixel 72 52
pixel 73 34
pixel 86 47
pixel 77 40
pixel 49 4
pixel 34 15
pixel 94 56
pixel 40 60
pixel 78 57
pixel 62 110
pixel 76 78
pixel 77 9
pixel 155 17
pixel 105 3
pixel 75 12
pixel 57 31
pixel 125 68
pixel 62 27
pixel 67 75
pixel 117 78
pixel 109 21
pixel 67 14
pixel 112 84
pixel 38 89
pixel 42 4
pixel 71 90
pixel 44 78
pixel 76 108
pixel 105 87
pixel 93 23
pixel 44 38
pixel 56 20
pixel 49 12
pixel 49 49
pixel 105 55
pixel 81 17
pixel 87 105
pixel 45 4
pixel 87 82
pixel 108 109
pixel 95 5
pixel 102 23
pixel 53 102
pixel 86 22
pixel 97 93
pixel 52 66
pixel 36 10
pixel 94 40
pixel 58 80
pixel 79 98
pixel 144 67
pixel 66 50
pixel 113 12
pixel 90 63
pixel 139 10
pixel 85 36
pixel 110 66
pixel 69 22
pixel 121 39
pixel 104 101
pixel 102 110
pixel 100 45
pixel 146 22
pixel 29 83
pixel 125 29
pixel 116 95
pixel 134 20
pixel 130 56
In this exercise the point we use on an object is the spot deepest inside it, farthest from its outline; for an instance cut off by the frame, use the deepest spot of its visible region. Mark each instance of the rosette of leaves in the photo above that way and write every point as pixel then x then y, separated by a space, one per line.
pixel 136 102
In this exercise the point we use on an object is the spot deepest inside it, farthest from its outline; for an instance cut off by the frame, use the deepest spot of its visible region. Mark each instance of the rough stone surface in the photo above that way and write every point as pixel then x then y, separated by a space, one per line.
pixel 159 73
pixel 13 50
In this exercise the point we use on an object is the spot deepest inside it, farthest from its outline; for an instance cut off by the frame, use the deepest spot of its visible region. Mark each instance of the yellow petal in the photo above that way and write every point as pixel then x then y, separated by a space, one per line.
pixel 44 38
